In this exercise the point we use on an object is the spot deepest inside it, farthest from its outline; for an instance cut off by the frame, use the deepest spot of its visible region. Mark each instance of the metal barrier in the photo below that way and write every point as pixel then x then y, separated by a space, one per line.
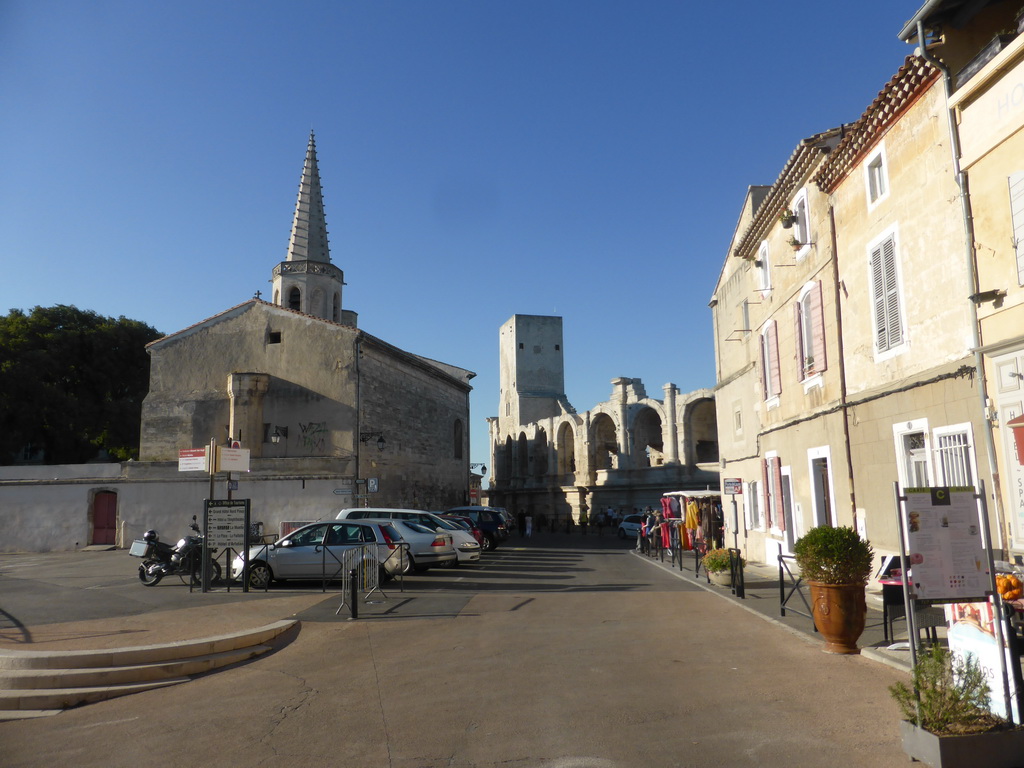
pixel 792 583
pixel 361 568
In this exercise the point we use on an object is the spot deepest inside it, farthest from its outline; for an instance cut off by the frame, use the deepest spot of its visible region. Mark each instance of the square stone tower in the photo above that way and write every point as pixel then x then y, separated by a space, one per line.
pixel 532 370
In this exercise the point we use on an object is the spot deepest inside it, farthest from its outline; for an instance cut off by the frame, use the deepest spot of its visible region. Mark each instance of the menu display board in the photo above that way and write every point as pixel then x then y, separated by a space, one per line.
pixel 948 560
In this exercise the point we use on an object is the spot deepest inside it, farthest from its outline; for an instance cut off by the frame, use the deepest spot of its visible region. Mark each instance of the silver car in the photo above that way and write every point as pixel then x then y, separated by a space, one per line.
pixel 316 551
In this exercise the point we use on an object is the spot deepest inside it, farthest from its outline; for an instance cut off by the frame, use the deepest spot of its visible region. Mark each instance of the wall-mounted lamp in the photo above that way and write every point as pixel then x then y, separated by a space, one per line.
pixel 279 432
pixel 365 437
pixel 483 468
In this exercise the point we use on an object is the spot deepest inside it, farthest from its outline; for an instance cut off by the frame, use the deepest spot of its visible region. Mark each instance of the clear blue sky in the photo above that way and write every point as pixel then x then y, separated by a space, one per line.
pixel 479 159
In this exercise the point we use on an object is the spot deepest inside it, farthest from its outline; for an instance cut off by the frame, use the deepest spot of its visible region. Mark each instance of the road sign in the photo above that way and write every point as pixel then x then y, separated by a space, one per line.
pixel 733 486
pixel 227 523
pixel 192 460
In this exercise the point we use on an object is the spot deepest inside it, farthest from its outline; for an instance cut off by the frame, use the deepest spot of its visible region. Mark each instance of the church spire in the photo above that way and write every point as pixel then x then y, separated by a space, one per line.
pixel 308 241
pixel 306 281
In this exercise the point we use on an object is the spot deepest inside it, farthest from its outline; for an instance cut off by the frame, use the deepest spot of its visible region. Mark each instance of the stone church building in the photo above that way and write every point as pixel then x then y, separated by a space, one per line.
pixel 299 384
pixel 332 417
pixel 623 453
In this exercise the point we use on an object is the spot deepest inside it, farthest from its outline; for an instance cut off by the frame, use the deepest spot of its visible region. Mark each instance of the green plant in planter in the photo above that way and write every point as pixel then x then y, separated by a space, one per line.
pixel 834 556
pixel 717 561
pixel 953 695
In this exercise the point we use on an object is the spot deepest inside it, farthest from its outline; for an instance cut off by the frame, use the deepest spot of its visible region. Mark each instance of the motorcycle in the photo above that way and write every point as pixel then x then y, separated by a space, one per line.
pixel 184 559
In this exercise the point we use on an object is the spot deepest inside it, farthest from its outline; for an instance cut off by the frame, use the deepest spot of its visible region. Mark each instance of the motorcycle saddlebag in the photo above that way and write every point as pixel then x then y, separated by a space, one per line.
pixel 139 548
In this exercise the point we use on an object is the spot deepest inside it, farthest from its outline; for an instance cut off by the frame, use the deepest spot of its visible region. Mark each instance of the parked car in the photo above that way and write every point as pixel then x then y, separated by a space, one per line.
pixel 466 547
pixel 314 552
pixel 428 546
pixel 630 526
pixel 489 521
pixel 468 524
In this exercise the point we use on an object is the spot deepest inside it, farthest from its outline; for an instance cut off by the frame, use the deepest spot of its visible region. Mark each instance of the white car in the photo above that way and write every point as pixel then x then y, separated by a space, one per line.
pixel 467 548
pixel 427 546
pixel 630 526
pixel 315 551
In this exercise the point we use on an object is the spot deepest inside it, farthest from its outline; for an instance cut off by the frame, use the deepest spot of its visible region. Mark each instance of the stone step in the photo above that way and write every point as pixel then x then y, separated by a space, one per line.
pixel 26 714
pixel 63 698
pixel 142 654
pixel 34 679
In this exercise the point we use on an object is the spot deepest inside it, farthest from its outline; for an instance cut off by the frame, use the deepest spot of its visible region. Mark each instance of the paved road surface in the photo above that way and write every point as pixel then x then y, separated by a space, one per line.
pixel 557 652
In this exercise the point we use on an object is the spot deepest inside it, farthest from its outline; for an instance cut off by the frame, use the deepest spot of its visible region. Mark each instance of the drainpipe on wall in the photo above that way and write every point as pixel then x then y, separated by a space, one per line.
pixel 968 219
pixel 842 364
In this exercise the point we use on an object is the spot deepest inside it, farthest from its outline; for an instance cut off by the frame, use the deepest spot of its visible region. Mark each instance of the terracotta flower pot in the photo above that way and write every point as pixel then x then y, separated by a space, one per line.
pixel 839 611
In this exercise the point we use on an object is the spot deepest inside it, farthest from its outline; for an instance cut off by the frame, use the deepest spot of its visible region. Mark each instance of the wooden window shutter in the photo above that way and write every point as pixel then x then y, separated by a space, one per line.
pixel 765 499
pixel 886 296
pixel 777 492
pixel 818 324
pixel 774 367
pixel 798 316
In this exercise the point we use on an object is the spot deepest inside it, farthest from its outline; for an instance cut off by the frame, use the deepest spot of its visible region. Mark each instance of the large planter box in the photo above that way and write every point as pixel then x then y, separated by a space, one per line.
pixel 998 749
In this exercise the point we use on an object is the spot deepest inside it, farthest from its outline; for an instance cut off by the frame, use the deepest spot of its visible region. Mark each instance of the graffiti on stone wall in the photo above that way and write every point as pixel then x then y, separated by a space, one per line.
pixel 313 436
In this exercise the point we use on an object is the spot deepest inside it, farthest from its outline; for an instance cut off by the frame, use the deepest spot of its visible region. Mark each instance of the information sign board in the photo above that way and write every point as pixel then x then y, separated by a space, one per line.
pixel 232 459
pixel 227 523
pixel 192 460
pixel 948 559
pixel 732 486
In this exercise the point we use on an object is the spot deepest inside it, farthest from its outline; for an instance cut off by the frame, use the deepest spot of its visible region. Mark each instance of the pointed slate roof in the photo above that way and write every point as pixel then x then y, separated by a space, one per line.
pixel 308 241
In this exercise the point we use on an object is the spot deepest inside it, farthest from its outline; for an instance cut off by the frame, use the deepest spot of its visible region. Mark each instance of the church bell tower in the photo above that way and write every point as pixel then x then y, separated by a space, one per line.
pixel 306 280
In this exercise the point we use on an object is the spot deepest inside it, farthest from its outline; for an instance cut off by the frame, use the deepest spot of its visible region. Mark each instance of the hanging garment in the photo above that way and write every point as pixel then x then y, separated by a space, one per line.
pixel 692 515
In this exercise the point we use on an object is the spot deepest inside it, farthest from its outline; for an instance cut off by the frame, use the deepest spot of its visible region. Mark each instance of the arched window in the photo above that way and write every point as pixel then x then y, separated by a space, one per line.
pixel 295 299
pixel 336 308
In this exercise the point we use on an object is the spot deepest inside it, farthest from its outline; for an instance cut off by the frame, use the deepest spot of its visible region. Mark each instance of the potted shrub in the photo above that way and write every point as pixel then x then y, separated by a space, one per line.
pixel 946 723
pixel 795 244
pixel 836 563
pixel 787 218
pixel 718 566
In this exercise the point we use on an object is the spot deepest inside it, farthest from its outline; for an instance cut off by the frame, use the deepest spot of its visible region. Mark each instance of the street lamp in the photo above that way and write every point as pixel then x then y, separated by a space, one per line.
pixel 483 468
pixel 365 437
pixel 279 432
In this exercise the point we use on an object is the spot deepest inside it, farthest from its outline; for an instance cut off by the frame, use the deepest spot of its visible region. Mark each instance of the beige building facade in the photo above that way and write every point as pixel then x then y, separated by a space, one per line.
pixel 982 53
pixel 845 363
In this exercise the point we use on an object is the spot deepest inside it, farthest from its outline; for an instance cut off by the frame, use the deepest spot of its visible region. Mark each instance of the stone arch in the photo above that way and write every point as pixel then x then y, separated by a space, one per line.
pixel 700 422
pixel 648 442
pixel 509 458
pixel 604 445
pixel 295 298
pixel 522 456
pixel 565 449
pixel 540 453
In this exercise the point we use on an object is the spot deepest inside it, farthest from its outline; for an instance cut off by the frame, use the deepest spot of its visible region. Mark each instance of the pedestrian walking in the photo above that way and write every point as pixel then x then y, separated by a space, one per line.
pixel 583 521
pixel 529 524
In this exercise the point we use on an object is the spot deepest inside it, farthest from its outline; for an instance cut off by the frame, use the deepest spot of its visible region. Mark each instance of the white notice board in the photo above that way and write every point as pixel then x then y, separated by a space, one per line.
pixel 948 560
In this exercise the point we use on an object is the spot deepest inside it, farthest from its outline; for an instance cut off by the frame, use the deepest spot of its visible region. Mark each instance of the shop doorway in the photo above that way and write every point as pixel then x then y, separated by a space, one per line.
pixel 104 518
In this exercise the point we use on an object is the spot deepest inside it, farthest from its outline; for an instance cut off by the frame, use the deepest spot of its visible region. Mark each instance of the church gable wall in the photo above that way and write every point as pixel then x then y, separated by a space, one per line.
pixel 310 366
pixel 416 411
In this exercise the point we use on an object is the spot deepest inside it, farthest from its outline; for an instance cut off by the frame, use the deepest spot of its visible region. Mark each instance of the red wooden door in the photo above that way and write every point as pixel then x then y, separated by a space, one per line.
pixel 104 518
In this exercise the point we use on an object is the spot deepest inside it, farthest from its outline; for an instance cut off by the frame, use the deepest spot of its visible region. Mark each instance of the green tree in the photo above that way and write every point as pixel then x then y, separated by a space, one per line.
pixel 71 384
